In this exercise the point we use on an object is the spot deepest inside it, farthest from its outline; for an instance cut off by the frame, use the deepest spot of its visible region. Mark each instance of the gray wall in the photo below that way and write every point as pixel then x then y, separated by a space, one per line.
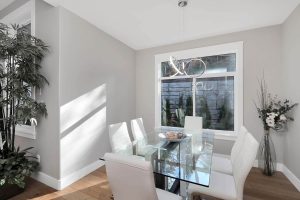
pixel 108 65
pixel 97 87
pixel 291 71
pixel 11 7
pixel 47 142
pixel 47 24
pixel 262 52
pixel 92 84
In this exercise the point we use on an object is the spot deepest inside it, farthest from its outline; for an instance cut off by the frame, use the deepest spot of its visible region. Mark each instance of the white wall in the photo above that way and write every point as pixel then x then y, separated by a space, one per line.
pixel 291 72
pixel 261 53
pixel 97 88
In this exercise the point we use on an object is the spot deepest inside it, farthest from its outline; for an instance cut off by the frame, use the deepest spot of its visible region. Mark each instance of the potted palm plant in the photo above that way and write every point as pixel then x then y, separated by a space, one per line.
pixel 20 58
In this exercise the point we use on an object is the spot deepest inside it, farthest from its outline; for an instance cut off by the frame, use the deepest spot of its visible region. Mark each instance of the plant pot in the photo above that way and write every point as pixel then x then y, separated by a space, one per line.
pixel 267 155
pixel 7 191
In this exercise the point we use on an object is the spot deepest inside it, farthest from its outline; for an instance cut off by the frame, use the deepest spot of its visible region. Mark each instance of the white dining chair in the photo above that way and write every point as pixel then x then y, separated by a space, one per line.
pixel 192 123
pixel 231 187
pixel 140 143
pixel 138 129
pixel 224 164
pixel 119 139
pixel 133 179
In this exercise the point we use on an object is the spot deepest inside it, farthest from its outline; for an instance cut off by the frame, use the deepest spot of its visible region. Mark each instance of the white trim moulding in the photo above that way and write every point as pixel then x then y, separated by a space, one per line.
pixel 68 180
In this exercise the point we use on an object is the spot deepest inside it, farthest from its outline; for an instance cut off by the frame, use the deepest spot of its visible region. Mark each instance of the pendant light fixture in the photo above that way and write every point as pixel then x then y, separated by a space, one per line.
pixel 180 67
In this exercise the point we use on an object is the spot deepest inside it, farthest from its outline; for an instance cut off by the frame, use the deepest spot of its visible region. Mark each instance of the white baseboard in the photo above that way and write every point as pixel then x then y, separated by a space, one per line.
pixel 46 179
pixel 68 180
pixel 280 167
pixel 294 179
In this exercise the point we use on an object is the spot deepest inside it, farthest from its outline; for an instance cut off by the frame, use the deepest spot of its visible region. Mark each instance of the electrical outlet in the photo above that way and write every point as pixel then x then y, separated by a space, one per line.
pixel 38 158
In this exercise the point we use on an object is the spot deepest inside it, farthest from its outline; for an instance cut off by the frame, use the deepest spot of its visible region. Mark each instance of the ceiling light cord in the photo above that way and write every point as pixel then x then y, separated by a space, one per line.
pixel 174 63
pixel 182 4
pixel 182 23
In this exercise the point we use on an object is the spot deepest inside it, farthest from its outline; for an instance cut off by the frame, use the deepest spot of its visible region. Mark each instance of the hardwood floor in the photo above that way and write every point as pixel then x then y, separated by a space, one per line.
pixel 278 187
pixel 95 186
pixel 260 187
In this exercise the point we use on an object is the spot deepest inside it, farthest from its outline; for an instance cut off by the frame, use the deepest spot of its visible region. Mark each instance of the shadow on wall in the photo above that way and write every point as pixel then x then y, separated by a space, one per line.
pixel 82 128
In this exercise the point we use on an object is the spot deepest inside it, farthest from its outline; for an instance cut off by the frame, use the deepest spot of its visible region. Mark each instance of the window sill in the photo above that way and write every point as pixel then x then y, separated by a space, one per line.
pixel 220 136
pixel 26 131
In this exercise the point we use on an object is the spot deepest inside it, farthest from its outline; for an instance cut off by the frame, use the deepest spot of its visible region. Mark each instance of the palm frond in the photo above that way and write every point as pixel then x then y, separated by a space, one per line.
pixel 20 55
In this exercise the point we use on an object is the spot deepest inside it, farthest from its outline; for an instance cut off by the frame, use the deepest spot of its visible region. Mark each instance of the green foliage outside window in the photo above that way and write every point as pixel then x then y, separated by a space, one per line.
pixel 225 119
pixel 166 113
pixel 189 106
pixel 180 113
pixel 176 119
pixel 205 113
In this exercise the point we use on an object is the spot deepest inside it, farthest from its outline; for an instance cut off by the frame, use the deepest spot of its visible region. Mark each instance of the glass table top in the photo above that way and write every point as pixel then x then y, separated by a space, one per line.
pixel 187 160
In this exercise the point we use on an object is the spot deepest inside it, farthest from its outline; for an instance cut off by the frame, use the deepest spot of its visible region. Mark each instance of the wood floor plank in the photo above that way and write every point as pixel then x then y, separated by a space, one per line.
pixel 96 187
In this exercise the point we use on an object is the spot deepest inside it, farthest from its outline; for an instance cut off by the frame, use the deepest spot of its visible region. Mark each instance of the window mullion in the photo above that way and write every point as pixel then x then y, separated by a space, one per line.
pixel 194 96
pixel 212 75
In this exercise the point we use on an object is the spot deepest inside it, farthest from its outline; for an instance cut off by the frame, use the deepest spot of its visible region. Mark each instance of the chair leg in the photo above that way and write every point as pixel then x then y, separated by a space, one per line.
pixel 197 196
pixel 194 197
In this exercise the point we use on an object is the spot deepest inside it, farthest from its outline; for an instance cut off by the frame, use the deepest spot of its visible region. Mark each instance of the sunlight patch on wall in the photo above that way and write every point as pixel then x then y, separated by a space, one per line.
pixel 79 144
pixel 83 128
pixel 76 110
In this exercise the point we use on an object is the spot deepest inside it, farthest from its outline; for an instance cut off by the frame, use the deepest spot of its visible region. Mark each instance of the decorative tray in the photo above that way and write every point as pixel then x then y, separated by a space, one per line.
pixel 173 136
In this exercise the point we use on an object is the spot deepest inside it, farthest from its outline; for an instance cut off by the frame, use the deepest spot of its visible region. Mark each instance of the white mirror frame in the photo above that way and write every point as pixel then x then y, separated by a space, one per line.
pixel 23 16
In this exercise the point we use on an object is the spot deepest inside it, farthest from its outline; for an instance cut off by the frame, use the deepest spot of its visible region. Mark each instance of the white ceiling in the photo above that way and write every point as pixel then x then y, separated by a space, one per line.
pixel 4 3
pixel 147 23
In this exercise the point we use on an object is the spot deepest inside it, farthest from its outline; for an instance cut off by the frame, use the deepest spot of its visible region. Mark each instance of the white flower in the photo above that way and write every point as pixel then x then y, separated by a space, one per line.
pixel 283 118
pixel 272 115
pixel 270 121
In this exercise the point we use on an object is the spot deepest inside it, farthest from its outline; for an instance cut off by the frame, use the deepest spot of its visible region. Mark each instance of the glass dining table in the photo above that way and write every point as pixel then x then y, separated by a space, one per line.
pixel 180 161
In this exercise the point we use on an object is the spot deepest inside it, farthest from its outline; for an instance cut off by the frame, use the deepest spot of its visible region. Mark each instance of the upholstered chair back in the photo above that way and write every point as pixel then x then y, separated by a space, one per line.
pixel 138 130
pixel 238 143
pixel 119 139
pixel 193 123
pixel 244 162
pixel 130 177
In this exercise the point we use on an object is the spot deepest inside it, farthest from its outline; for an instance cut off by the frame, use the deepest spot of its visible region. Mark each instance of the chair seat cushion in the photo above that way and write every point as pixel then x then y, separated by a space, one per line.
pixel 221 164
pixel 164 195
pixel 145 150
pixel 138 157
pixel 221 186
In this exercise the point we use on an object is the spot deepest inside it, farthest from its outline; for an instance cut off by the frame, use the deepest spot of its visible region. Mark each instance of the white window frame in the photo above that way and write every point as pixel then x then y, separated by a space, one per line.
pixel 237 48
pixel 24 15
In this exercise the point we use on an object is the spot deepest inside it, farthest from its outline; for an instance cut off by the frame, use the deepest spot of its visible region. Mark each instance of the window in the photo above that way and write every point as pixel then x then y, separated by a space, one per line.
pixel 216 95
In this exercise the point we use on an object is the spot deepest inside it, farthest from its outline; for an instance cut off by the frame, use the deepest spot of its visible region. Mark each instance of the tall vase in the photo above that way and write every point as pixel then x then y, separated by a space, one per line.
pixel 267 155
